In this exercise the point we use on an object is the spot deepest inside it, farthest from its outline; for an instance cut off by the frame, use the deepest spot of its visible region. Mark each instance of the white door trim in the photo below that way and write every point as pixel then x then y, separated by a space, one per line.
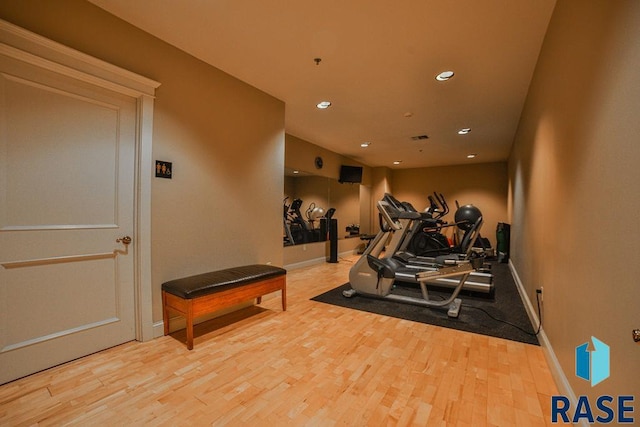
pixel 34 49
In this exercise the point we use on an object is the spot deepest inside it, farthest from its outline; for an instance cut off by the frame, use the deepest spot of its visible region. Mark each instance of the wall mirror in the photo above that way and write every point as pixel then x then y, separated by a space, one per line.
pixel 307 199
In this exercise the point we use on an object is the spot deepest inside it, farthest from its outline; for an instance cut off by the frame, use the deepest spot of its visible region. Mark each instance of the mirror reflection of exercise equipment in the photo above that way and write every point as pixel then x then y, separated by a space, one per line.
pixel 296 230
pixel 314 213
pixel 311 227
pixel 328 192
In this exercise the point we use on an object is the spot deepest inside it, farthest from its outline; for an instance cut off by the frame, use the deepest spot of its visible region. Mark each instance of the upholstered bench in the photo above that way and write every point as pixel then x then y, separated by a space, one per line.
pixel 205 293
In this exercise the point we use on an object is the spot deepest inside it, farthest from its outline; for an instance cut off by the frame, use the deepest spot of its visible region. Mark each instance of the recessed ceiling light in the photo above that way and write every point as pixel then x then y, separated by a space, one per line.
pixel 471 156
pixel 444 76
pixel 365 144
pixel 397 162
pixel 464 131
pixel 324 105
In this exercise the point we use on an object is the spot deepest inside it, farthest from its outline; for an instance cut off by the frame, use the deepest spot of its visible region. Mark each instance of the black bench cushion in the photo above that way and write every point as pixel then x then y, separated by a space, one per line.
pixel 216 281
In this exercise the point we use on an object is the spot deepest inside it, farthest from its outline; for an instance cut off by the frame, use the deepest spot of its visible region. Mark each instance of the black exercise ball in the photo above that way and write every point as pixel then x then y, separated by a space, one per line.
pixel 466 216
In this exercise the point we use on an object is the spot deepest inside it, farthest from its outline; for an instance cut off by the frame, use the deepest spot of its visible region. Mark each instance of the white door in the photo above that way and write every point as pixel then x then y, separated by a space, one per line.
pixel 67 158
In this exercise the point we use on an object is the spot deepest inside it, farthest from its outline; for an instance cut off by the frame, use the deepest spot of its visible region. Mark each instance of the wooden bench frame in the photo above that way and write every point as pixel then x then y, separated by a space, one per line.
pixel 217 300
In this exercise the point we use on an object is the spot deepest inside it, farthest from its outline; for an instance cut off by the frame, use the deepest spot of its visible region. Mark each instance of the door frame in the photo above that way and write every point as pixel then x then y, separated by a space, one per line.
pixel 23 45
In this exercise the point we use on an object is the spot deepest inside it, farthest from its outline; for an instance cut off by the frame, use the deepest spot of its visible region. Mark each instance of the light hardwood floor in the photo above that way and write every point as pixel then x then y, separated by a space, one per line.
pixel 314 364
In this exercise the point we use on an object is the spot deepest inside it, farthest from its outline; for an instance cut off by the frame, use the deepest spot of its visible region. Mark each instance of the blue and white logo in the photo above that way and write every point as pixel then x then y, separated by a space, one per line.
pixel 592 365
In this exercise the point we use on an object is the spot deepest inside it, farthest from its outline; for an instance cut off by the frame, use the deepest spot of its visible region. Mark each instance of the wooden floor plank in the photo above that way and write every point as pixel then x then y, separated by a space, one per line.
pixel 314 364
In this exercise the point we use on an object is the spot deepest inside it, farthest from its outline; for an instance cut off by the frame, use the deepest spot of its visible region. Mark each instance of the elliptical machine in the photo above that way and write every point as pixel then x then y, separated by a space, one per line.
pixel 425 237
pixel 373 275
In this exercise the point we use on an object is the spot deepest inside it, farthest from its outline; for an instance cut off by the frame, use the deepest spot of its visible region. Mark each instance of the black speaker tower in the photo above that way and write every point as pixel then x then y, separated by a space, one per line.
pixel 332 231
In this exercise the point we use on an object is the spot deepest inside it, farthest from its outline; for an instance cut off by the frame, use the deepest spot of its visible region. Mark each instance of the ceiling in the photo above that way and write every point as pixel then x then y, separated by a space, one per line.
pixel 378 65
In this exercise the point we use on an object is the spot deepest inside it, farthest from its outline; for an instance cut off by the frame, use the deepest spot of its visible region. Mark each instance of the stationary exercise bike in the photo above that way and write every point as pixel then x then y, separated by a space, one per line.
pixel 374 275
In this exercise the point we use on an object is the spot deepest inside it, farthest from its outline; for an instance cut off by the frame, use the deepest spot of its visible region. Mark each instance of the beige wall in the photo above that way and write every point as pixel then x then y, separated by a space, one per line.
pixel 573 178
pixel 225 139
pixel 380 184
pixel 483 185
pixel 300 154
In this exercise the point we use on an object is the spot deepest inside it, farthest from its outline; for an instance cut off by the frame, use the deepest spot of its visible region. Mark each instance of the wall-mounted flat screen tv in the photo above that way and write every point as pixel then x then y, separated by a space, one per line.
pixel 350 174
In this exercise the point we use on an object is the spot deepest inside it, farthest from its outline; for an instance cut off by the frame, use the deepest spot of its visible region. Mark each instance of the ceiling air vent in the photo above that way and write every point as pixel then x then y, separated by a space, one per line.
pixel 419 137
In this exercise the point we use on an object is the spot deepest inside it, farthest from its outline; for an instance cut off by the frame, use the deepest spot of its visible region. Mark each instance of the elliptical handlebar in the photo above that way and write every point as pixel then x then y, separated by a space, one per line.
pixel 437 205
pixel 443 204
pixel 433 206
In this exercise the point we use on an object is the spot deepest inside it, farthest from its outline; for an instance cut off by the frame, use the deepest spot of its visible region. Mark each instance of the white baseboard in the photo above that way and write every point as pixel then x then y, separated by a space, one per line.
pixel 315 261
pixel 564 388
pixel 158 329
pixel 306 263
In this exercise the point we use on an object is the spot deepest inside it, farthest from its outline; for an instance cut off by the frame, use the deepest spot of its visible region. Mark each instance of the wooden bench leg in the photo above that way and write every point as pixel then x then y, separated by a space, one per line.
pixel 165 313
pixel 284 298
pixel 190 325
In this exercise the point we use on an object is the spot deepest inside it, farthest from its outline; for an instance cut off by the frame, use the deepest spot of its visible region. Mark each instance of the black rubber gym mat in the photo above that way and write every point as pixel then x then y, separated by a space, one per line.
pixel 478 314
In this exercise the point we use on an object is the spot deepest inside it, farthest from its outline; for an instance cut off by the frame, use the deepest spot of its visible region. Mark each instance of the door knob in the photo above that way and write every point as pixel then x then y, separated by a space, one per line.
pixel 126 240
pixel 636 335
